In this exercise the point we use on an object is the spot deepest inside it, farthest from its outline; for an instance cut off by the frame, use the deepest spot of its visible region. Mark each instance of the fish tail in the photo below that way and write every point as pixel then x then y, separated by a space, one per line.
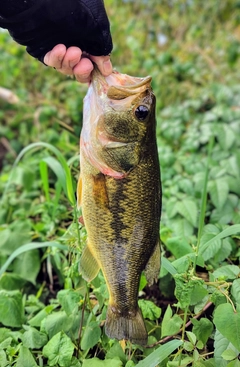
pixel 130 327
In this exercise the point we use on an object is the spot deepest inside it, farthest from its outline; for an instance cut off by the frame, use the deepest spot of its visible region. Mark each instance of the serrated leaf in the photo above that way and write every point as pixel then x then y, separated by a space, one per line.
pixel 219 190
pixel 227 322
pixel 25 358
pixel 188 209
pixel 149 309
pixel 59 350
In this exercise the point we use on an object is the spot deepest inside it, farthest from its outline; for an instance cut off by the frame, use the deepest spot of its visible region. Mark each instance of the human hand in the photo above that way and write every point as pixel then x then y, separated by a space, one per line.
pixel 72 61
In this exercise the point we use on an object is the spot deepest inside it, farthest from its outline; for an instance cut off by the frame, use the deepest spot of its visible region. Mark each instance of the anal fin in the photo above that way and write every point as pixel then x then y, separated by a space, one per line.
pixel 152 269
pixel 88 265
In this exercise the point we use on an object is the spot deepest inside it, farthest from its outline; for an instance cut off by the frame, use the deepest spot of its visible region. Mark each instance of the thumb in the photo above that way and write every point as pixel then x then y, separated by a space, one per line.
pixel 103 63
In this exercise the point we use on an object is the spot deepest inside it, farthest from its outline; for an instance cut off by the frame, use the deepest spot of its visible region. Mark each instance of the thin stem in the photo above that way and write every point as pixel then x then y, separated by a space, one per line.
pixel 81 325
pixel 183 333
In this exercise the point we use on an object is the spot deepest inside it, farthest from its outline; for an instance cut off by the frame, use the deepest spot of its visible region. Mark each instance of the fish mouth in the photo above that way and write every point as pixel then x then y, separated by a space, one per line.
pixel 118 86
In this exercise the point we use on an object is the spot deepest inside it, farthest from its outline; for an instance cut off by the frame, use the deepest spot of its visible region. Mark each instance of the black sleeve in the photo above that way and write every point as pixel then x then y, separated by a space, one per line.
pixel 46 23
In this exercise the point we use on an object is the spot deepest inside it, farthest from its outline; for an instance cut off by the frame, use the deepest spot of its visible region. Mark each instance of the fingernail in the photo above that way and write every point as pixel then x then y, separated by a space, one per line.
pixel 107 67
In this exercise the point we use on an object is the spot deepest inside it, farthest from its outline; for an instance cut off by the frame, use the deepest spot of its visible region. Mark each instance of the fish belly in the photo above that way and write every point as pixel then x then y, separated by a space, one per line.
pixel 122 221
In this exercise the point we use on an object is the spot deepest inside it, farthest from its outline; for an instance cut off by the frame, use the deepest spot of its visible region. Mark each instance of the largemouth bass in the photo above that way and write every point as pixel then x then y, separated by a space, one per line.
pixel 119 192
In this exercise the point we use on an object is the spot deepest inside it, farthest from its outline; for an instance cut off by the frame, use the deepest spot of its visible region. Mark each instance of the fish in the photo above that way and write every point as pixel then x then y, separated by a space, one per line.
pixel 119 193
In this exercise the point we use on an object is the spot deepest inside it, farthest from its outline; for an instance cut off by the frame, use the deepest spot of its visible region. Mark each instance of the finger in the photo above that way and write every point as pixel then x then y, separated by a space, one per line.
pixel 82 70
pixel 55 57
pixel 104 64
pixel 70 60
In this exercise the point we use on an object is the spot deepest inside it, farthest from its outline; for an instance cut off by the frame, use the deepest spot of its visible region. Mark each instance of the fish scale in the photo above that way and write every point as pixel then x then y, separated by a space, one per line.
pixel 120 194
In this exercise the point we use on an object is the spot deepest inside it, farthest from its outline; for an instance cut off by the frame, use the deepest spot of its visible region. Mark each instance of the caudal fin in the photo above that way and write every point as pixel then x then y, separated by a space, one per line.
pixel 130 327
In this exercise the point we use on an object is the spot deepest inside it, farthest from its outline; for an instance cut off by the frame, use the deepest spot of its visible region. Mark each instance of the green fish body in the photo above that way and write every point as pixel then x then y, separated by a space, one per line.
pixel 119 191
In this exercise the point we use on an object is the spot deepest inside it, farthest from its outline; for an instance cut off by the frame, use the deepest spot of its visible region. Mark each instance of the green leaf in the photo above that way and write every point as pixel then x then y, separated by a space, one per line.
pixel 116 351
pixel 188 209
pixel 28 247
pixel 95 362
pixel 130 364
pixel 227 271
pixel 69 299
pixel 235 363
pixel 3 359
pixel 159 354
pixel 41 315
pixel 178 246
pixel 229 355
pixel 91 335
pixel 219 192
pixel 166 264
pixel 230 231
pixel 25 358
pixel 170 324
pixel 189 347
pixel 16 237
pixel 11 308
pixel 68 181
pixel 59 350
pixel 202 328
pixel 228 323
pixel 191 337
pixel 33 339
pixel 56 322
pixel 27 265
pixel 188 291
pixel 235 290
pixel 149 309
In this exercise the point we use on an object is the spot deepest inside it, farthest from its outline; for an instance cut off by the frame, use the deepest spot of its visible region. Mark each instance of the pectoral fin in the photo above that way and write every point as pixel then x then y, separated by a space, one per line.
pixel 122 157
pixel 88 265
pixel 153 266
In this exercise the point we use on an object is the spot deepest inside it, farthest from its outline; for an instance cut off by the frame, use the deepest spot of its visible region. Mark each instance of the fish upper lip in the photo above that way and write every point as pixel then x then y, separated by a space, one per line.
pixel 101 85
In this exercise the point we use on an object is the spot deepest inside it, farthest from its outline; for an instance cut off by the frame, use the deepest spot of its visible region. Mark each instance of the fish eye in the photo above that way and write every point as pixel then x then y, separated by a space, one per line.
pixel 141 112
